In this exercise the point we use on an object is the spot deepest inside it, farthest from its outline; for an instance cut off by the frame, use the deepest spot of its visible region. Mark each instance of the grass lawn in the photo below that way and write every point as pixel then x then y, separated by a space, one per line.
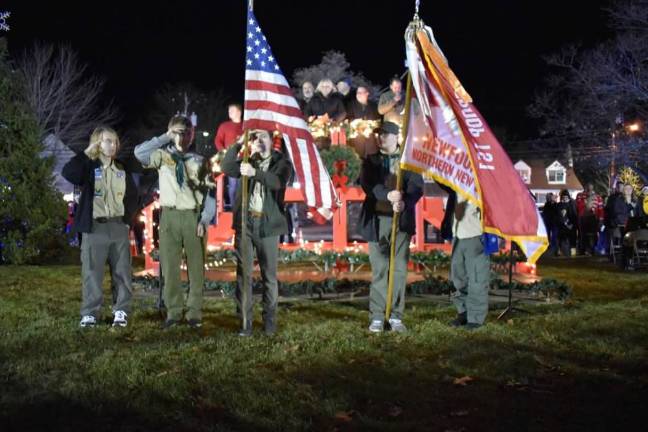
pixel 579 366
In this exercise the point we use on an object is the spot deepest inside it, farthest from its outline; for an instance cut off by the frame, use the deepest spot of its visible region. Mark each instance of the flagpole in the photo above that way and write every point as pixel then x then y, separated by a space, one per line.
pixel 399 185
pixel 245 181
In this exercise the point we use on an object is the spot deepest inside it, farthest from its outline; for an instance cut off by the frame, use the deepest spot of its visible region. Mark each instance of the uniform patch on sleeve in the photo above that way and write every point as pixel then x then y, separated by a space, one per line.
pixel 167 159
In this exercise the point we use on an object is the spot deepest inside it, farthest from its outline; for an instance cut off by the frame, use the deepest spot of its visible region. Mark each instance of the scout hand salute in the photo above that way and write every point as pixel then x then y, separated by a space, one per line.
pixel 188 206
pixel 106 208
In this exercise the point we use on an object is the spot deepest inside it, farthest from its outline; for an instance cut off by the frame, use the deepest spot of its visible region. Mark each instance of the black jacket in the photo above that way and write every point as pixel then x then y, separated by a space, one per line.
pixel 566 222
pixel 448 216
pixel 355 110
pixel 80 172
pixel 273 180
pixel 616 211
pixel 331 105
pixel 550 214
pixel 373 179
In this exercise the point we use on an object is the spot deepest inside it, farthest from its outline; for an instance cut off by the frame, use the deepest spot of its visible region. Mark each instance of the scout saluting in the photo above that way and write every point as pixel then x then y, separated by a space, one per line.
pixel 106 207
pixel 188 206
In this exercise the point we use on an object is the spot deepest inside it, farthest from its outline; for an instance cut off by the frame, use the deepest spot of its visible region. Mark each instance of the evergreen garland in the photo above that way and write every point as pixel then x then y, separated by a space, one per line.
pixel 432 285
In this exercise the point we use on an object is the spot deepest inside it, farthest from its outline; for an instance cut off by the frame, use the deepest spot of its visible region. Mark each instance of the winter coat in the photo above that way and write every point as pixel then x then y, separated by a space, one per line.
pixel 274 181
pixel 331 105
pixel 373 179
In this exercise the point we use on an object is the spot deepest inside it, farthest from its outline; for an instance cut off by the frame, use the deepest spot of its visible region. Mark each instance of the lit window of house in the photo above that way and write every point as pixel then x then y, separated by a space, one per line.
pixel 524 171
pixel 526 176
pixel 556 173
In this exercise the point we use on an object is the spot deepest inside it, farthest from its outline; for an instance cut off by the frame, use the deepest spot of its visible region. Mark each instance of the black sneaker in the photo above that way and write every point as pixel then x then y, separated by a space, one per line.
pixel 195 323
pixel 169 324
pixel 460 320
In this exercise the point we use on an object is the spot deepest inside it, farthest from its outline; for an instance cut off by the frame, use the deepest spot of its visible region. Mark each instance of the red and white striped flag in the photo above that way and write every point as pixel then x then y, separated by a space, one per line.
pixel 270 105
pixel 449 140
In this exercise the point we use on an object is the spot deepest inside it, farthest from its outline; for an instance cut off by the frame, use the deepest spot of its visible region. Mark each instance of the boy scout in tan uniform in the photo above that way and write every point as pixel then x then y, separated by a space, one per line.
pixel 470 266
pixel 187 209
pixel 107 204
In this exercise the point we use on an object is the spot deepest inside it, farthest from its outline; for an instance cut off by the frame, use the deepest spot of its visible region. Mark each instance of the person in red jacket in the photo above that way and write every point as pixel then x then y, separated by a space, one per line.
pixel 226 135
pixel 589 208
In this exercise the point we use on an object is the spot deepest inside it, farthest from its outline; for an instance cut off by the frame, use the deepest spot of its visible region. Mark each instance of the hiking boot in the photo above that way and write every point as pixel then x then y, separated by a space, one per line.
pixel 397 325
pixel 269 327
pixel 88 321
pixel 460 320
pixel 195 323
pixel 170 323
pixel 376 326
pixel 119 319
pixel 246 329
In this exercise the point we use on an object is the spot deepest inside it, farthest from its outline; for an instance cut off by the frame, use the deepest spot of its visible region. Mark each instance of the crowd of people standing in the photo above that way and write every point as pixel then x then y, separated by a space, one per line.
pixel 591 224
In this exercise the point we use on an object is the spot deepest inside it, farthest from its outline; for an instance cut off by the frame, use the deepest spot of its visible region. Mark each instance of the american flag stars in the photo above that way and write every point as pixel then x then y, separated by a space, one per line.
pixel 259 56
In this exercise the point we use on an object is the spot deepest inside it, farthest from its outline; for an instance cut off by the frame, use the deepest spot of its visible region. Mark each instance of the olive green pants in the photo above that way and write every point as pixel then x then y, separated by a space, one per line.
pixel 267 252
pixel 470 274
pixel 178 233
pixel 379 259
pixel 107 242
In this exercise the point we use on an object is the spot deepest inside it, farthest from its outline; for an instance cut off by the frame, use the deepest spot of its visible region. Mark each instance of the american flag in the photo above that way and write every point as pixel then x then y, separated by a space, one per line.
pixel 270 105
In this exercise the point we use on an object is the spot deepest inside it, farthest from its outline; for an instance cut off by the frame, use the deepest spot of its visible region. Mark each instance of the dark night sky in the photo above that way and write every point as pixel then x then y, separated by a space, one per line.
pixel 494 46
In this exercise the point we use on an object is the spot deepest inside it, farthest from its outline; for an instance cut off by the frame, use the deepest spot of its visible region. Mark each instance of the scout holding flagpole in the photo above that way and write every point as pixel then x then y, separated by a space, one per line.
pixel 399 178
pixel 396 218
pixel 387 223
pixel 449 141
pixel 259 210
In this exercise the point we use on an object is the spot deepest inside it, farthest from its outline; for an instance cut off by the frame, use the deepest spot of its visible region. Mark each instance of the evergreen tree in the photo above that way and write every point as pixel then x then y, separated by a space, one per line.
pixel 335 67
pixel 32 211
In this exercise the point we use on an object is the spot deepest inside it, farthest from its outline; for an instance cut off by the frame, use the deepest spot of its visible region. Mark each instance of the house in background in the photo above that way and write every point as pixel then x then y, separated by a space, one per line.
pixel 542 177
pixel 62 154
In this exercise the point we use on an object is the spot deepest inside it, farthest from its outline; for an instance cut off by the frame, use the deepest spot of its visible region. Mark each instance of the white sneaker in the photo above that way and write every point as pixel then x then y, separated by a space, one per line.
pixel 397 325
pixel 376 326
pixel 120 319
pixel 88 321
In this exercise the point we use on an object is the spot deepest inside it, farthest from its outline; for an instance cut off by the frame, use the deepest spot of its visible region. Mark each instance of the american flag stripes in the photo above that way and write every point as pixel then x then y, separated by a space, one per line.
pixel 270 105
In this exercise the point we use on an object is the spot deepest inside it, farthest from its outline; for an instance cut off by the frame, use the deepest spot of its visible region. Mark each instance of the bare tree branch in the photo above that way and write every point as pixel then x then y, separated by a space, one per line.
pixel 64 98
pixel 592 90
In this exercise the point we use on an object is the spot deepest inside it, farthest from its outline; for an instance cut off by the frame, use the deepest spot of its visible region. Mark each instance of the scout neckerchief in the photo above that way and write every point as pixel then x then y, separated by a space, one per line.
pixel 388 158
pixel 179 160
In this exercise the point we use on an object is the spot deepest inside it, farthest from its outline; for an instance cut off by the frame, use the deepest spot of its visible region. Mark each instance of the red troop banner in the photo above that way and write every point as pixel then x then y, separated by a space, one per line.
pixel 449 141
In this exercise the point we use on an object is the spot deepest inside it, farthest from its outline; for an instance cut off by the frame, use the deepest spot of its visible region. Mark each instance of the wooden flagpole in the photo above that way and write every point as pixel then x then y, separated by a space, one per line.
pixel 245 182
pixel 399 186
